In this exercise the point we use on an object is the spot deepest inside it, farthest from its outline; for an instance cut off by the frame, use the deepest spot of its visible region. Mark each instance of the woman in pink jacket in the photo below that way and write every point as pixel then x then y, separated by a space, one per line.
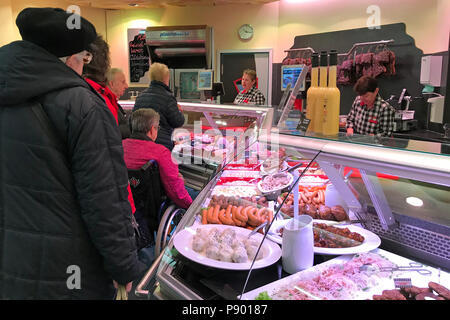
pixel 141 148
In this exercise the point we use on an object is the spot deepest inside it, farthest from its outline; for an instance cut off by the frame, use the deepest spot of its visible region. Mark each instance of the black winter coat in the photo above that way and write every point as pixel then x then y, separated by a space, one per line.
pixel 159 97
pixel 63 211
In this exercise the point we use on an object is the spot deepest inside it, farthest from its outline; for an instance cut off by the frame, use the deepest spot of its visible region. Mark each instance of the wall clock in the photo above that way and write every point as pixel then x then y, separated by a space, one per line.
pixel 245 32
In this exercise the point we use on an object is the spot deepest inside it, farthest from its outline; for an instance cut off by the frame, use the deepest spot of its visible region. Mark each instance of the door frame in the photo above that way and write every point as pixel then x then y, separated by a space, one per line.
pixel 269 51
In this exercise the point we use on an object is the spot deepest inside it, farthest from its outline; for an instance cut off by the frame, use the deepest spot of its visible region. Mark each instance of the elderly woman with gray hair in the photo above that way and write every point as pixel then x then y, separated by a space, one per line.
pixel 141 148
pixel 160 98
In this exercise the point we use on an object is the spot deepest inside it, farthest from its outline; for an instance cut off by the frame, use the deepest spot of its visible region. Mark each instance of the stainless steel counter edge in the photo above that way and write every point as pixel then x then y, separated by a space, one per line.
pixel 194 106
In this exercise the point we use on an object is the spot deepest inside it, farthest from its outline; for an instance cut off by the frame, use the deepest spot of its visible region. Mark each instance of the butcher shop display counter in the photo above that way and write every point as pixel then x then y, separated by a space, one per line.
pixel 365 225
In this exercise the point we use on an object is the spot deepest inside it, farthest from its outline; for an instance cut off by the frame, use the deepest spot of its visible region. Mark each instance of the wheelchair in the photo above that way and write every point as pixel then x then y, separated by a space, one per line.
pixel 159 214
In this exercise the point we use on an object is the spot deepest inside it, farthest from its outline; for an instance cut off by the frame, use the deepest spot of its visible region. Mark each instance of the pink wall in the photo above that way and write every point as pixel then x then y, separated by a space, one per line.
pixel 276 24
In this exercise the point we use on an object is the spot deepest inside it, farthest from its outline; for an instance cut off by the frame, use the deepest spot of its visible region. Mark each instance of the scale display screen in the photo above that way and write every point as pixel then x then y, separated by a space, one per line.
pixel 186 83
pixel 205 80
pixel 289 75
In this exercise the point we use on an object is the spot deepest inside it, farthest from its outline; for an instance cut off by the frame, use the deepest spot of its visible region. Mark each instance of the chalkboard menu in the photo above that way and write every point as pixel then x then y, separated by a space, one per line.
pixel 138 57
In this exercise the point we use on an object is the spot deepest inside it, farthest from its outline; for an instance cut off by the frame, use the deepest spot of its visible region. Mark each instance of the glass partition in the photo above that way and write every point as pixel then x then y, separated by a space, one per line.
pixel 289 127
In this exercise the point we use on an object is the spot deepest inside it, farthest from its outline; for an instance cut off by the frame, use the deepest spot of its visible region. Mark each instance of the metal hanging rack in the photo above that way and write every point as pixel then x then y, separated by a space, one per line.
pixel 356 45
pixel 299 52
pixel 301 49
pixel 361 44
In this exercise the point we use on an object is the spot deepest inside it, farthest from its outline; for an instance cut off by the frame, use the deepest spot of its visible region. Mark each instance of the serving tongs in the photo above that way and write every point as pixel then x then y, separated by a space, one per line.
pixel 413 266
pixel 257 229
pixel 344 223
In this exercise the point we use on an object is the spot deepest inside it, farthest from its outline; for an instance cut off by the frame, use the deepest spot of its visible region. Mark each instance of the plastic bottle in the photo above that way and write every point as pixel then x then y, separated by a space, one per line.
pixel 332 107
pixel 312 93
pixel 322 93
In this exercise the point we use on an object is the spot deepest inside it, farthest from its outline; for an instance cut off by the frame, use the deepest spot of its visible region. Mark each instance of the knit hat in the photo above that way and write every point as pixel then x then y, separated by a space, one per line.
pixel 59 32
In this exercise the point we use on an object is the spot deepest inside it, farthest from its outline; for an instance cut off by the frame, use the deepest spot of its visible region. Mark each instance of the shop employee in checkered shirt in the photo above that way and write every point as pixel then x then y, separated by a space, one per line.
pixel 250 94
pixel 370 115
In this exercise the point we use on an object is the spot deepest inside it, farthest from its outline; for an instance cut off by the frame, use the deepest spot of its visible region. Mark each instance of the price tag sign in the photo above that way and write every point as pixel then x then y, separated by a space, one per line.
pixel 303 124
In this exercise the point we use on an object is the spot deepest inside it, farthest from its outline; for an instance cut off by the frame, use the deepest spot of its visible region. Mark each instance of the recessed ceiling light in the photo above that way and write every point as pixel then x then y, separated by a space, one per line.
pixel 416 202
pixel 133 5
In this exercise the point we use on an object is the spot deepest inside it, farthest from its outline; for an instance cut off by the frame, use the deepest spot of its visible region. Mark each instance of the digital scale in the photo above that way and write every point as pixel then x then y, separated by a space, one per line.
pixel 404 118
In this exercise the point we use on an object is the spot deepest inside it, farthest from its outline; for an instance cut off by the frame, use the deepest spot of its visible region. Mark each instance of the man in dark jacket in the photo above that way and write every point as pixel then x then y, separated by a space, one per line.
pixel 65 221
pixel 160 98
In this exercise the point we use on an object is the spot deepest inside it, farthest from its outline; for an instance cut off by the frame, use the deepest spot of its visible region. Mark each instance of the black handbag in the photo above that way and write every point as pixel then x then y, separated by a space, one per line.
pixel 148 196
pixel 143 236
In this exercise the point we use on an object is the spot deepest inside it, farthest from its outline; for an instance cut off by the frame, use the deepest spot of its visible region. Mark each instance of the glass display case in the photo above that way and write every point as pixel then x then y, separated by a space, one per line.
pixel 213 135
pixel 371 205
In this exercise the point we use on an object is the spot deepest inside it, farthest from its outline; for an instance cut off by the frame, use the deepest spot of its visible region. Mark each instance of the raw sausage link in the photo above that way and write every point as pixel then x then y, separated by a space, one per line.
pixel 260 215
pixel 322 196
pixel 204 216
pixel 210 214
pixel 241 215
pixel 234 217
pixel 441 290
pixel 225 217
pixel 252 218
pixel 222 217
pixel 229 215
pixel 215 216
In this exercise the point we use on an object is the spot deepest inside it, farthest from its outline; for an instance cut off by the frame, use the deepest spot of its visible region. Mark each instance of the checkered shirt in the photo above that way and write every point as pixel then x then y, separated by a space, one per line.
pixel 379 120
pixel 252 96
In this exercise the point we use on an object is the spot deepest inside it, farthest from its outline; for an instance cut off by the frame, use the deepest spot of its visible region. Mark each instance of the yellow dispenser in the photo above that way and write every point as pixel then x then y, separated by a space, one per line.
pixel 312 93
pixel 322 94
pixel 332 106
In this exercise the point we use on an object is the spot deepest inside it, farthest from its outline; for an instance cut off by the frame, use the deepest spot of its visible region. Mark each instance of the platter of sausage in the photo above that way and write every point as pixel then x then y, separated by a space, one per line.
pixel 332 240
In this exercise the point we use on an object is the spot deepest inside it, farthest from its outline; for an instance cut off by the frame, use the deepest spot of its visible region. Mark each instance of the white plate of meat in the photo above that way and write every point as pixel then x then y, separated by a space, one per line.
pixel 327 240
pixel 275 182
pixel 225 247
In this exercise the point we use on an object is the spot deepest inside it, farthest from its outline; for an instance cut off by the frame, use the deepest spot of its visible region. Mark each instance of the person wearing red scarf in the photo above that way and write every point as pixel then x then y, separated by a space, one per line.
pixel 94 72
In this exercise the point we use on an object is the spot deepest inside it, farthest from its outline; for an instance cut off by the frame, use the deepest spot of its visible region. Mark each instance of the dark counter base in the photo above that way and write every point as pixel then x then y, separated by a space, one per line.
pixel 422 134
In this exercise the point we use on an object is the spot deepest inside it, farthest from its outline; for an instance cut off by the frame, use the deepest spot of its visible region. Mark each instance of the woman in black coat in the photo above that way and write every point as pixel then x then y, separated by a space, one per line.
pixel 65 221
pixel 160 98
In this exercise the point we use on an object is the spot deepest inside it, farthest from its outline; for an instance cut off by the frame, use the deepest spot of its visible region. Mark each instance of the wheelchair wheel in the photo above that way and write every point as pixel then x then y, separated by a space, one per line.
pixel 169 221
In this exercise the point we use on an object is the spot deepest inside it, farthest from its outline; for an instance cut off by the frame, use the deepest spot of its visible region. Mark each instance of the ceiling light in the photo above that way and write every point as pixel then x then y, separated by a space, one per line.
pixel 416 202
pixel 133 5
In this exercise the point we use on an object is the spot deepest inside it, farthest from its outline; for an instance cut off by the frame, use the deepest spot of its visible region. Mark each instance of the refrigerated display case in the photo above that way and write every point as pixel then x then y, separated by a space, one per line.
pixel 394 193
pixel 214 135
